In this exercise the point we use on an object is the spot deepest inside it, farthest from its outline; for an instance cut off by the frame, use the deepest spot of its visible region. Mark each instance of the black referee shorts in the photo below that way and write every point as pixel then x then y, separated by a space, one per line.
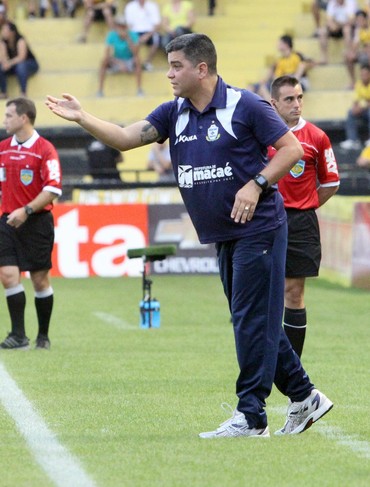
pixel 28 247
pixel 304 247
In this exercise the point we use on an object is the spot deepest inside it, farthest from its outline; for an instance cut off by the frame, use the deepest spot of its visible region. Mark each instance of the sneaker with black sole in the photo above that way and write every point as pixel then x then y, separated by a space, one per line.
pixel 42 343
pixel 302 415
pixel 236 426
pixel 15 342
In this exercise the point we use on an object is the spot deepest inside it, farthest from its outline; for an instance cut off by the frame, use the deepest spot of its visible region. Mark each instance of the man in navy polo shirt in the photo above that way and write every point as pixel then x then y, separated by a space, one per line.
pixel 218 139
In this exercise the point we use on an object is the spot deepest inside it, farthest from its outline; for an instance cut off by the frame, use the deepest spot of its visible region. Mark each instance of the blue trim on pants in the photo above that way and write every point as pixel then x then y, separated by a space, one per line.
pixel 252 271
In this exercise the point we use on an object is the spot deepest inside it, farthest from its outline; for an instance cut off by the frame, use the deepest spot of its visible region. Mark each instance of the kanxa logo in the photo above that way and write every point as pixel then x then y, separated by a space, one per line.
pixel 186 138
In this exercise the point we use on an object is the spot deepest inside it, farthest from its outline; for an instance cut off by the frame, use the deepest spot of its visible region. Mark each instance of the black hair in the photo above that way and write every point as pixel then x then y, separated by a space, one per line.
pixel 197 48
pixel 282 81
pixel 288 40
pixel 361 13
pixel 24 106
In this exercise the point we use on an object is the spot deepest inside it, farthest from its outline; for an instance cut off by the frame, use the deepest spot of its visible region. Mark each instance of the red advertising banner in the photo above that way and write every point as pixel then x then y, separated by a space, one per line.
pixel 92 240
pixel 345 240
pixel 361 246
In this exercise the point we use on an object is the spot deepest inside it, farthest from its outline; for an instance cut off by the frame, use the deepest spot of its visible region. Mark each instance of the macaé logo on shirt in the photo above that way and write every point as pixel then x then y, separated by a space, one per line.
pixel 189 176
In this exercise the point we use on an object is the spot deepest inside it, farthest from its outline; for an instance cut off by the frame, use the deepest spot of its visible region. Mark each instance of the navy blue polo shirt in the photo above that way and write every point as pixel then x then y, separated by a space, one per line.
pixel 216 152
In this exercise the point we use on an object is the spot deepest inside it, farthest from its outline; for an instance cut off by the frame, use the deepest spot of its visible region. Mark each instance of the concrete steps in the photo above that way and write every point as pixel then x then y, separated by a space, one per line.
pixel 245 34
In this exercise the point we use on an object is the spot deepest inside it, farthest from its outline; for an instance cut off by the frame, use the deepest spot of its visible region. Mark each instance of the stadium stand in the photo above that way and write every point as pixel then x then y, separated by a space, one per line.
pixel 245 34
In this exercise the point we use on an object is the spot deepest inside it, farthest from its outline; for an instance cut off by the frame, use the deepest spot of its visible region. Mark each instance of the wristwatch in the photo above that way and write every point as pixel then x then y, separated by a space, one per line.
pixel 28 210
pixel 261 181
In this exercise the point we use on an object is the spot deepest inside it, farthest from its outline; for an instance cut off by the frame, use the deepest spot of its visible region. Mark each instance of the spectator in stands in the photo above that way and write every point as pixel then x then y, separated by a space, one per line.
pixel 359 51
pixel 290 62
pixel 43 8
pixel 31 9
pixel 143 17
pixel 70 7
pixel 316 8
pixel 16 58
pixel 99 10
pixel 59 7
pixel 121 54
pixel 212 4
pixel 178 17
pixel 159 160
pixel 359 111
pixel 363 159
pixel 3 13
pixel 340 18
pixel 103 160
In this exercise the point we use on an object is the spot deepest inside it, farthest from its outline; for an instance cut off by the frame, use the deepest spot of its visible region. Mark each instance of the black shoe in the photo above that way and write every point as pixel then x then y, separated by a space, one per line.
pixel 14 342
pixel 42 343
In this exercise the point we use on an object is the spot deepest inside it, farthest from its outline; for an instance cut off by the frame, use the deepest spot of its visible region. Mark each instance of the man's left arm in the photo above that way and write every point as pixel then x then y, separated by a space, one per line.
pixel 326 192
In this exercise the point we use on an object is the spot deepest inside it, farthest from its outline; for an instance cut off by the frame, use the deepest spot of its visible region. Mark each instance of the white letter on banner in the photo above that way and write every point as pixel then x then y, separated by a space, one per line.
pixel 68 235
pixel 127 237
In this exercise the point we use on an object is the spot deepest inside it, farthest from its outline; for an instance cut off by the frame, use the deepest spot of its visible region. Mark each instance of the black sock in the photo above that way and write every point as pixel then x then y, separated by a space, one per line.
pixel 44 308
pixel 295 322
pixel 16 306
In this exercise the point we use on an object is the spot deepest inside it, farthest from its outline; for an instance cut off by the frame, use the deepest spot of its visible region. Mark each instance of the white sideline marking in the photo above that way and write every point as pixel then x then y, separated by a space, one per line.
pixel 360 447
pixel 114 321
pixel 56 461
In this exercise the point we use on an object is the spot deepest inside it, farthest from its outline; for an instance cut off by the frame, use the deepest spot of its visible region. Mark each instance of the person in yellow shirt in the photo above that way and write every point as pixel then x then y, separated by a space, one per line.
pixel 178 17
pixel 359 111
pixel 359 51
pixel 289 63
pixel 363 159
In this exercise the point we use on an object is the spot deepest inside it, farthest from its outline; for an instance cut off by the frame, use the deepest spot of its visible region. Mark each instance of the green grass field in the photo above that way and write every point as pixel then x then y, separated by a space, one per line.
pixel 129 403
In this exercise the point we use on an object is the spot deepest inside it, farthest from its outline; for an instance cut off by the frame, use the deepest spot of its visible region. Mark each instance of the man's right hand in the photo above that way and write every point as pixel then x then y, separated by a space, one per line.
pixel 68 107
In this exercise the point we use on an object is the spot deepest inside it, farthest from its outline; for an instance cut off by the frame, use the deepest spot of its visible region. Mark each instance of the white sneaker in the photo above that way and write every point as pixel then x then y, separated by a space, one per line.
pixel 235 426
pixel 301 415
pixel 350 144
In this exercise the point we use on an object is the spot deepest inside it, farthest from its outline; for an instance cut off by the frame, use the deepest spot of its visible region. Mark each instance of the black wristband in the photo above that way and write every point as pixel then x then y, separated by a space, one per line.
pixel 29 211
pixel 261 181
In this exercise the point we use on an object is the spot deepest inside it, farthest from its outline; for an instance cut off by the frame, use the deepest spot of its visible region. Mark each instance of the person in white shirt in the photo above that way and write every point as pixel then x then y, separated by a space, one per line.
pixel 159 160
pixel 144 17
pixel 340 18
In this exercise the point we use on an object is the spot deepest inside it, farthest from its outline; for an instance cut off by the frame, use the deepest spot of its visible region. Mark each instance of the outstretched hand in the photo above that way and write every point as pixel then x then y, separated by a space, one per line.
pixel 68 108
